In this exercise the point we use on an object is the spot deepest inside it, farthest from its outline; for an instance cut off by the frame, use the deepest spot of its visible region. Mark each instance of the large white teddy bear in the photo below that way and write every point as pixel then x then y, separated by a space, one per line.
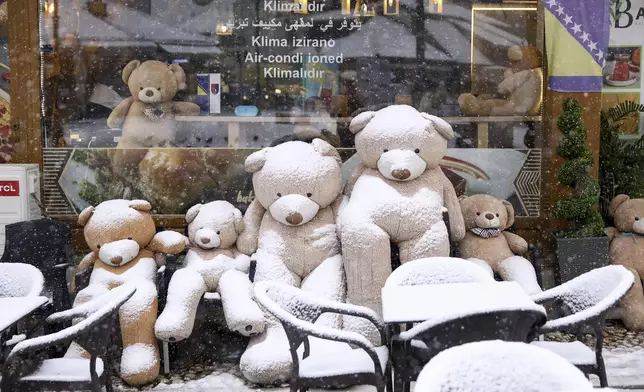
pixel 396 194
pixel 212 263
pixel 290 229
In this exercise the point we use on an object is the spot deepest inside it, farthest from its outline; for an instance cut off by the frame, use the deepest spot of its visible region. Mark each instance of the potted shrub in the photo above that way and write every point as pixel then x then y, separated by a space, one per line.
pixel 584 246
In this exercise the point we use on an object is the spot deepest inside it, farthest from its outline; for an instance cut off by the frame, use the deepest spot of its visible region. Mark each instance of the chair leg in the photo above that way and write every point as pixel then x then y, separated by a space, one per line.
pixel 398 382
pixel 388 378
pixel 601 372
pixel 293 386
pixel 406 386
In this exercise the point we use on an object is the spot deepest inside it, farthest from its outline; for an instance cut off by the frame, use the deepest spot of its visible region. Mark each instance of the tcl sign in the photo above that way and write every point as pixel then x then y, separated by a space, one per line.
pixel 9 188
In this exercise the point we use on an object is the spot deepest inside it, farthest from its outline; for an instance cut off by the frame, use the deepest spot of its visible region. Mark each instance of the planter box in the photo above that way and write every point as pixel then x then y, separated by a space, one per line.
pixel 576 256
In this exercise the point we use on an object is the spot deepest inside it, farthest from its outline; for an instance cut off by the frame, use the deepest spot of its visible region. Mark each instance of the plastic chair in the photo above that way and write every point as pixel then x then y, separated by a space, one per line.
pixel 298 310
pixel 24 369
pixel 20 280
pixel 46 244
pixel 497 366
pixel 584 301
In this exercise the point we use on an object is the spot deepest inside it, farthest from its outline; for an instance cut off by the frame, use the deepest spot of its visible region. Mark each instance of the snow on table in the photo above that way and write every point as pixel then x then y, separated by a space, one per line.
pixel 13 309
pixel 402 304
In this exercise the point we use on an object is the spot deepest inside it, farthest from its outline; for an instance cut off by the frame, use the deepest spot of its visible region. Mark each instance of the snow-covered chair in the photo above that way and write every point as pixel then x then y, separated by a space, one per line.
pixel 20 280
pixel 585 301
pixel 497 366
pixel 45 244
pixel 25 370
pixel 298 310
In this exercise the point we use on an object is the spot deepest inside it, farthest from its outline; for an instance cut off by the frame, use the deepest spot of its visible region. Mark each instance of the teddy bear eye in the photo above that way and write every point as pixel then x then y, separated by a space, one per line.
pixel 279 194
pixel 309 194
pixel 478 213
pixel 159 88
pixel 417 150
pixel 385 150
pixel 637 218
pixel 497 215
pixel 141 88
pixel 218 232
pixel 98 246
pixel 129 238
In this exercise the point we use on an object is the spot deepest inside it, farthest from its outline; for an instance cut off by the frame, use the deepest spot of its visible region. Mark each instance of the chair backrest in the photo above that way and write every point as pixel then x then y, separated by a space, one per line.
pixel 287 303
pixel 43 243
pixel 20 280
pixel 497 366
pixel 437 270
pixel 588 296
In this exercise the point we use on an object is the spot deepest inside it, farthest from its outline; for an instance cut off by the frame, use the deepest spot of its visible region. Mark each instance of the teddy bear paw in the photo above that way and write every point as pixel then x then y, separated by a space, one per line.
pixel 169 328
pixel 140 364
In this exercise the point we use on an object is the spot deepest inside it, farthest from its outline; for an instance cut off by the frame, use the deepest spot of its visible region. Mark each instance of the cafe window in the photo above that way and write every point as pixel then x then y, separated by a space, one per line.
pixel 247 74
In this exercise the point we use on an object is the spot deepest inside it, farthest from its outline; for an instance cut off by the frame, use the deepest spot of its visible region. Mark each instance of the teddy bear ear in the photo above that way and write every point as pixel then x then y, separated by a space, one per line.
pixel 462 197
pixel 85 215
pixel 140 205
pixel 325 149
pixel 239 221
pixel 440 125
pixel 510 210
pixel 180 75
pixel 256 160
pixel 129 68
pixel 193 212
pixel 360 121
pixel 615 203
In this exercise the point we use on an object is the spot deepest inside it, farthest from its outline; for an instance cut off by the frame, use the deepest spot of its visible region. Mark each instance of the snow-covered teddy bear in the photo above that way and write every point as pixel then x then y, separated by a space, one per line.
pixel 290 228
pixel 123 239
pixel 627 249
pixel 396 194
pixel 211 264
pixel 487 244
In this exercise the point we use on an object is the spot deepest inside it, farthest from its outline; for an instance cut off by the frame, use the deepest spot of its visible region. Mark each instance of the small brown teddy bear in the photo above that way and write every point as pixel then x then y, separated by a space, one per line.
pixel 487 244
pixel 147 118
pixel 123 239
pixel 213 263
pixel 522 85
pixel 627 249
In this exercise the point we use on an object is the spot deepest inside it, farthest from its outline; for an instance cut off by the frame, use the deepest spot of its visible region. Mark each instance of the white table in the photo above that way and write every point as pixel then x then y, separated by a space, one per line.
pixel 412 304
pixel 13 309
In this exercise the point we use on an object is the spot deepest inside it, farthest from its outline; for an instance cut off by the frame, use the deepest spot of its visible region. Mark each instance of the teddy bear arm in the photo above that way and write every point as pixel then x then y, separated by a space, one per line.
pixel 611 232
pixel 167 242
pixel 517 244
pixel 247 240
pixel 242 261
pixel 87 262
pixel 185 109
pixel 117 117
pixel 450 200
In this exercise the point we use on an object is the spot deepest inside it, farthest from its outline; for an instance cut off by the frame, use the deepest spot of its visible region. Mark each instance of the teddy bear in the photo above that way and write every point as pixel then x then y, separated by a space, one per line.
pixel 488 244
pixel 522 87
pixel 147 118
pixel 123 239
pixel 212 263
pixel 290 230
pixel 397 193
pixel 627 249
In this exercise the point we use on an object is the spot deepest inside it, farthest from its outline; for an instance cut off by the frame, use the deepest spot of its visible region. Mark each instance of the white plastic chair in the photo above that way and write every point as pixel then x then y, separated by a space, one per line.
pixel 498 366
pixel 585 300
pixel 298 310
pixel 20 280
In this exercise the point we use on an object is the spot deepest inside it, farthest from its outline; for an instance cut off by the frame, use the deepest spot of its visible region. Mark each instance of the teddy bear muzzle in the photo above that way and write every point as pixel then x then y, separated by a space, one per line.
pixel 401 165
pixel 487 220
pixel 638 226
pixel 150 95
pixel 118 252
pixel 294 210
pixel 207 239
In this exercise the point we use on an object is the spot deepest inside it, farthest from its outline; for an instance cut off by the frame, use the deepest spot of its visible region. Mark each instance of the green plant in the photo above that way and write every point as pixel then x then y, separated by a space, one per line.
pixel 621 162
pixel 582 206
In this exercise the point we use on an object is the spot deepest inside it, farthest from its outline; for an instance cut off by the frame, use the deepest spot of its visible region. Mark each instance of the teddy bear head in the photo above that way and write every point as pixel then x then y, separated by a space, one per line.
pixel 214 225
pixel 116 230
pixel 400 141
pixel 628 214
pixel 524 57
pixel 294 180
pixel 153 81
pixel 486 212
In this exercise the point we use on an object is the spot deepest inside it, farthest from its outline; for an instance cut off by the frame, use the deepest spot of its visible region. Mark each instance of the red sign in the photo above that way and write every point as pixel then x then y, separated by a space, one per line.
pixel 9 188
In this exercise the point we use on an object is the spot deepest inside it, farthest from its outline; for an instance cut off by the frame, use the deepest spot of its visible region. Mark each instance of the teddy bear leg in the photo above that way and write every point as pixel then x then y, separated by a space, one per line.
pixel 483 264
pixel 178 317
pixel 632 305
pixel 241 312
pixel 326 281
pixel 469 104
pixel 520 270
pixel 267 358
pixel 140 357
pixel 434 243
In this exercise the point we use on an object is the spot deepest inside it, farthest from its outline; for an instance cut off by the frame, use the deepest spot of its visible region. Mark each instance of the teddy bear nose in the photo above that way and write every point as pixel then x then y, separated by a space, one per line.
pixel 401 174
pixel 489 216
pixel 117 260
pixel 294 218
pixel 149 93
pixel 205 240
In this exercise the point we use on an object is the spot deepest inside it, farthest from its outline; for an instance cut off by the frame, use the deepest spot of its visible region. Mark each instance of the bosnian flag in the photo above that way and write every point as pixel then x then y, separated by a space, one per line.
pixel 576 43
